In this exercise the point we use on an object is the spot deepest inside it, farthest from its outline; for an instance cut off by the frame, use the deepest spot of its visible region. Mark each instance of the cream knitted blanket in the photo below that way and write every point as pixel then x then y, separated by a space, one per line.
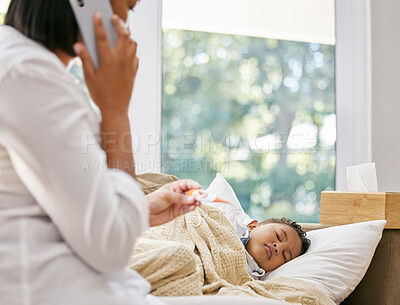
pixel 200 253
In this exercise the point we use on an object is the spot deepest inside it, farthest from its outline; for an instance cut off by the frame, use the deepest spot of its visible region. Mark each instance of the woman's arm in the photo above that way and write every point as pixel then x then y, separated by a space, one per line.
pixel 110 87
pixel 116 141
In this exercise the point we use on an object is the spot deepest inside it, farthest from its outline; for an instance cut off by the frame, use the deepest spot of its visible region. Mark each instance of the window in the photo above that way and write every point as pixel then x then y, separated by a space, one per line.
pixel 3 8
pixel 239 100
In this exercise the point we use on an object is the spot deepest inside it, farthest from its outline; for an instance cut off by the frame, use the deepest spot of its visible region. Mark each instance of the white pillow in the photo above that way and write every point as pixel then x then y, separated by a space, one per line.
pixel 337 259
pixel 220 187
pixel 234 212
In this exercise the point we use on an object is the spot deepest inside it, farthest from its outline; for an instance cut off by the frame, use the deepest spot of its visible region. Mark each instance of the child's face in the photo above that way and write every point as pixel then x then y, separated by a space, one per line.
pixel 273 244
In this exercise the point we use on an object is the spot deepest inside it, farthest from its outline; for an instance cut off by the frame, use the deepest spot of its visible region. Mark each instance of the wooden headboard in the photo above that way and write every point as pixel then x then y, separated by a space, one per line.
pixel 380 285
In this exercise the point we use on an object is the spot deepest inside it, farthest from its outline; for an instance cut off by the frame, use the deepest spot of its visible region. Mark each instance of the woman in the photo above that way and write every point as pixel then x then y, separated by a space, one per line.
pixel 67 221
pixel 70 209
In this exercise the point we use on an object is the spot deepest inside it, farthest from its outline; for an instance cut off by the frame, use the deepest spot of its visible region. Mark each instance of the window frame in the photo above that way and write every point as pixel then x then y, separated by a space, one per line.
pixel 353 86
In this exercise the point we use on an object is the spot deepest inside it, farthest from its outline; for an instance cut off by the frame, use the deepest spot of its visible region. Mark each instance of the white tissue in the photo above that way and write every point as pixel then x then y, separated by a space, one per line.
pixel 362 178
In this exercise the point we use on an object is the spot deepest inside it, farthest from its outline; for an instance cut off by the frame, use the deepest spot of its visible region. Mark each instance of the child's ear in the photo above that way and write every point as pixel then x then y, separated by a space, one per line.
pixel 252 225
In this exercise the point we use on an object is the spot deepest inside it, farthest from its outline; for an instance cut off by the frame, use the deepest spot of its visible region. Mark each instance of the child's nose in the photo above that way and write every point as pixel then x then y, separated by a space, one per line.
pixel 276 248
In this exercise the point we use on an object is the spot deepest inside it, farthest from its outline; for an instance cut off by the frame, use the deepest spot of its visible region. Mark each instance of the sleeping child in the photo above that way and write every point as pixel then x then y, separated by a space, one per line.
pixel 202 252
pixel 268 244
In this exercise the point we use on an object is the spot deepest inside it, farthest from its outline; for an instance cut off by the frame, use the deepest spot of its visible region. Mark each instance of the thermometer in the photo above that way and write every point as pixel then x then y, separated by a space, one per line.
pixel 203 196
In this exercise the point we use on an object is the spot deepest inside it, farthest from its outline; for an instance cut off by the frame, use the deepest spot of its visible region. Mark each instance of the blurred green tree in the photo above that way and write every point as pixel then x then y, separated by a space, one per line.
pixel 260 111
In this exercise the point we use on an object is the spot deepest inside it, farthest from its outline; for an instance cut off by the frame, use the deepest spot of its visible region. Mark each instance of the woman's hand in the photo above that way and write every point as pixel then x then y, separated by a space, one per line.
pixel 170 201
pixel 111 84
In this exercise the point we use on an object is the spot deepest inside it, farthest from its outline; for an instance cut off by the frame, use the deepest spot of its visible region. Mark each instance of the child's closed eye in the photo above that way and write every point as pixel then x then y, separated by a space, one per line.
pixel 277 236
pixel 284 258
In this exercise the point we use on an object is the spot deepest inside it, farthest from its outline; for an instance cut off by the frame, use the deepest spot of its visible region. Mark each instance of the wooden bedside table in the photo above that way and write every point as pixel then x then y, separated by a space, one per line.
pixel 339 208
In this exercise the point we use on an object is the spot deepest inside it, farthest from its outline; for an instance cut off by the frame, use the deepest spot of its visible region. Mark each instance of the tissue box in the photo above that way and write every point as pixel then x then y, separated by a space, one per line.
pixel 339 208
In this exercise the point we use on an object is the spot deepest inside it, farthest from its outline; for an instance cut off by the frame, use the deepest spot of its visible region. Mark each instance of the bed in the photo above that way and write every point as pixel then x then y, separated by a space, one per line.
pixel 337 281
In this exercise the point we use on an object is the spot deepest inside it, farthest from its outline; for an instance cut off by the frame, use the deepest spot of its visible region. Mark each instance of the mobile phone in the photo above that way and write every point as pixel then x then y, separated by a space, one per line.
pixel 84 11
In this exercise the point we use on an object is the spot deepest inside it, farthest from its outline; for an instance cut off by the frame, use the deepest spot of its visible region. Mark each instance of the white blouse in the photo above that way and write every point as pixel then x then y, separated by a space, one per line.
pixel 67 223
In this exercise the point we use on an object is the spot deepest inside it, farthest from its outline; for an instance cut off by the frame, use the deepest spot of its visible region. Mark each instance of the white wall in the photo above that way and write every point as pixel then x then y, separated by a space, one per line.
pixel 353 86
pixel 145 108
pixel 293 20
pixel 385 25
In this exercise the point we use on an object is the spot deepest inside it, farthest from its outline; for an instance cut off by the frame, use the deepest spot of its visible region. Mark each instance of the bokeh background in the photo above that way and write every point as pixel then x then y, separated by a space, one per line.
pixel 259 111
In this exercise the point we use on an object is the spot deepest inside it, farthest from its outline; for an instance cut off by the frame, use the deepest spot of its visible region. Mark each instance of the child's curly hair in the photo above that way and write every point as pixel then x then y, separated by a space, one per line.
pixel 305 242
